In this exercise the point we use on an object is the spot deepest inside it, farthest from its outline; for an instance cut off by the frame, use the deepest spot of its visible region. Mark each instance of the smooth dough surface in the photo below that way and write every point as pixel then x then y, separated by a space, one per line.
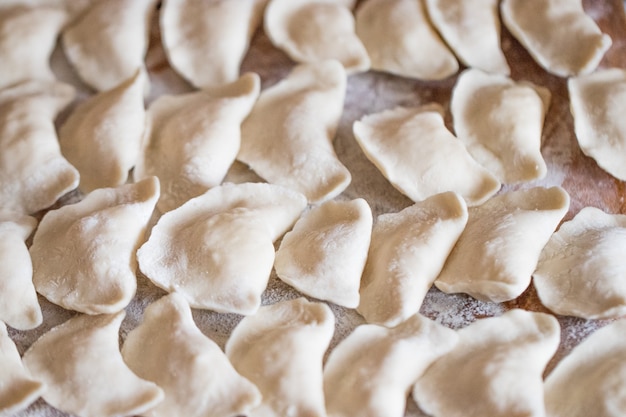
pixel 312 31
pixel 400 40
pixel 102 136
pixel 495 370
pixel 407 252
pixel 557 33
pixel 84 254
pixel 217 249
pixel 590 380
pixel 33 173
pixel 288 137
pixel 18 389
pixel 325 253
pixel 196 377
pixel 500 121
pixel 81 364
pixel 191 140
pixel 580 272
pixel 472 30
pixel 205 41
pixel 19 307
pixel 295 335
pixel 420 157
pixel 597 105
pixel 498 251
pixel 370 373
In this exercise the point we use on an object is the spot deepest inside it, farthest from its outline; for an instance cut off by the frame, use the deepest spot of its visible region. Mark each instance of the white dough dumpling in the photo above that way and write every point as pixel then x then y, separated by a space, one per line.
pixel 581 270
pixel 82 367
pixel 217 249
pixel 498 251
pixel 19 307
pixel 407 252
pixel 401 40
pixel 420 157
pixel 500 121
pixel 288 137
pixel 325 253
pixel 312 31
pixel 84 254
pixel 370 373
pixel 597 102
pixel 198 380
pixel 494 370
pixel 205 41
pixel 280 349
pixel 33 173
pixel 102 136
pixel 557 33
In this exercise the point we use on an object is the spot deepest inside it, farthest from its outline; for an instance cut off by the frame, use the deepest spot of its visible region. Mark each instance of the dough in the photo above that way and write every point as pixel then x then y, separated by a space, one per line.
pixel 280 349
pixel 205 41
pixel 325 253
pixel 415 151
pixel 102 136
pixel 580 272
pixel 500 122
pixel 557 34
pixel 407 253
pixel 195 375
pixel 81 364
pixel 400 39
pixel 370 373
pixel 84 254
pixel 287 139
pixel 217 249
pixel 495 370
pixel 19 307
pixel 498 251
pixel 33 173
pixel 191 140
pixel 597 107
pixel 312 31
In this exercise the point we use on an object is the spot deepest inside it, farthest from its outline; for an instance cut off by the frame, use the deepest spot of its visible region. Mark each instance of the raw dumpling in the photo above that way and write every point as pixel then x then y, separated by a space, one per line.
pixel 33 173
pixel 501 121
pixel 590 380
pixel 597 104
pixel 472 29
pixel 420 157
pixel 107 44
pixel 498 251
pixel 495 370
pixel 84 254
pixel 581 270
pixel 557 34
pixel 195 375
pixel 18 389
pixel 191 140
pixel 400 39
pixel 280 349
pixel 312 31
pixel 370 373
pixel 287 139
pixel 19 307
pixel 205 41
pixel 102 136
pixel 81 364
pixel 217 249
pixel 27 38
pixel 407 253
pixel 325 253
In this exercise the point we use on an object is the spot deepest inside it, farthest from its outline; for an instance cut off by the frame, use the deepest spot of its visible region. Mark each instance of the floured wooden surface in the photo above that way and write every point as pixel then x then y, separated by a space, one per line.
pixel 367 93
